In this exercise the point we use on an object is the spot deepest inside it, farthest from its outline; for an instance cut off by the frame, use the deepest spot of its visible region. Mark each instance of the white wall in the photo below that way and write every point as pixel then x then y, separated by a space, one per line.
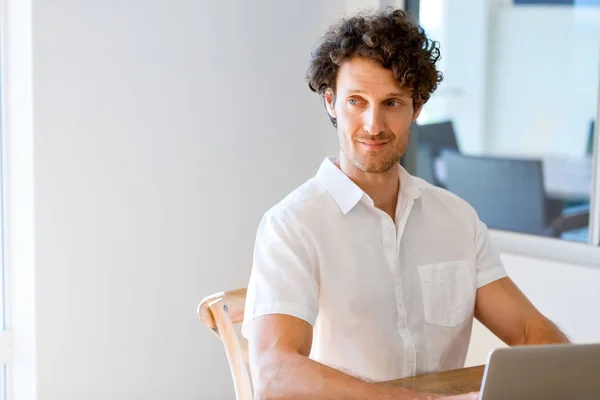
pixel 162 131
pixel 568 294
pixel 160 137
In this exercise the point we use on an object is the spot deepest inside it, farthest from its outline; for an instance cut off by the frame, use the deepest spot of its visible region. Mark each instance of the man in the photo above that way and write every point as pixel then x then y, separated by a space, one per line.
pixel 366 274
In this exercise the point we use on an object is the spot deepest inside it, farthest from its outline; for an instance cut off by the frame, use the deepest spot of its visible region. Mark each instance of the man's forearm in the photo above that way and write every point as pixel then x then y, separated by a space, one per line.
pixel 293 376
pixel 543 331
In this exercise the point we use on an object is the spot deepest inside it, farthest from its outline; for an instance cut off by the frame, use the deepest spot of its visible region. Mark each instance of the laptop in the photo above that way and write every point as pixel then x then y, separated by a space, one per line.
pixel 548 372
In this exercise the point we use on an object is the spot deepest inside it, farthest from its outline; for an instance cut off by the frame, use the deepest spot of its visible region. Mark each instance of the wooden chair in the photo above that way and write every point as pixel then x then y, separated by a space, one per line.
pixel 220 312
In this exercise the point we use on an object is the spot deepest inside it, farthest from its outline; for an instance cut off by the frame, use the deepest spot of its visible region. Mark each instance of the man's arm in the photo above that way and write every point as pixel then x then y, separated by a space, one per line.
pixel 279 346
pixel 507 312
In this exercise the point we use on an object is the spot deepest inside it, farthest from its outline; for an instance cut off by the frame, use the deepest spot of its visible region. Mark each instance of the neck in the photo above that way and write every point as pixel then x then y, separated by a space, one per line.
pixel 382 188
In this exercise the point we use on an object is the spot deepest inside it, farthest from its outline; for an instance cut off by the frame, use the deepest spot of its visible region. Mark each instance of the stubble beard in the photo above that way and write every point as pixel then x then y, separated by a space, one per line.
pixel 376 166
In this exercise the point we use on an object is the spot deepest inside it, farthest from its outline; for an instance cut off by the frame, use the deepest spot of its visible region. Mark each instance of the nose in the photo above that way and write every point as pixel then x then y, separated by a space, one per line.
pixel 373 120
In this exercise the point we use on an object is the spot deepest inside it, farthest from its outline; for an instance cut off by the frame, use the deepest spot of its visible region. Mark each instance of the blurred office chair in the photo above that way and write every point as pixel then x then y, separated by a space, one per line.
pixel 219 312
pixel 509 194
pixel 428 141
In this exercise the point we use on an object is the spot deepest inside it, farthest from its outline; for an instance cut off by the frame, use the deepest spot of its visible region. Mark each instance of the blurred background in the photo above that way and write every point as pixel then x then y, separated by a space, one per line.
pixel 516 109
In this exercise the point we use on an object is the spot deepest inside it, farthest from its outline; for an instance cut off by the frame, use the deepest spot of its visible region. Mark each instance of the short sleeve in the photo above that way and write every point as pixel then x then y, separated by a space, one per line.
pixel 488 263
pixel 283 279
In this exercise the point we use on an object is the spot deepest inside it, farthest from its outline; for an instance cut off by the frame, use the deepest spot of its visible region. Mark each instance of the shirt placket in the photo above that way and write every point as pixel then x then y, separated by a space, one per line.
pixel 392 247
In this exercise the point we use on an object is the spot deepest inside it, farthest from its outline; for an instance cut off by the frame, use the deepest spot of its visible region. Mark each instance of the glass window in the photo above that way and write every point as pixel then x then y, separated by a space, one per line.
pixel 511 127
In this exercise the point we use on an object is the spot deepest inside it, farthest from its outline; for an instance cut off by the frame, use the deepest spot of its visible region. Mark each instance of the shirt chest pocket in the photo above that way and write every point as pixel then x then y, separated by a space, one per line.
pixel 448 292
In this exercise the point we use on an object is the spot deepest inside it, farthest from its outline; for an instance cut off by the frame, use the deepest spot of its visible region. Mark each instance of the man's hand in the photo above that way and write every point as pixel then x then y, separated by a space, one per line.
pixel 467 396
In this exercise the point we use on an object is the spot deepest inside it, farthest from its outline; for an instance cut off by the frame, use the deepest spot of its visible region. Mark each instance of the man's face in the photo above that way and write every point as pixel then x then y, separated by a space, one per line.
pixel 373 112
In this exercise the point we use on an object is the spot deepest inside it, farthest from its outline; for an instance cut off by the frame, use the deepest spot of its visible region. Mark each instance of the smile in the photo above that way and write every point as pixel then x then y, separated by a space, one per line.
pixel 373 145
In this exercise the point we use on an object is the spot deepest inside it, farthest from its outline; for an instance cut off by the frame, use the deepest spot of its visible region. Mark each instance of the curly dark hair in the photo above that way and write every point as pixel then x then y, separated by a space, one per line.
pixel 390 38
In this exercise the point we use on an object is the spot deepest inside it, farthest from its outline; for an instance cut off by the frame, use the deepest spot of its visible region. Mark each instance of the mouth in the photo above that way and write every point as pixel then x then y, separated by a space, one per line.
pixel 373 145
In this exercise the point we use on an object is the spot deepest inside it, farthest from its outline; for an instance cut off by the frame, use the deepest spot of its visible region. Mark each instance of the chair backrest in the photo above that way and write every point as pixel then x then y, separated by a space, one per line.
pixel 506 193
pixel 219 312
pixel 439 136
pixel 430 141
pixel 426 166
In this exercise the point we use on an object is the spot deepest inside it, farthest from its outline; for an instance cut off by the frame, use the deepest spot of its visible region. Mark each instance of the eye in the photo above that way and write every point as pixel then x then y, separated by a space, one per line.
pixel 393 103
pixel 352 102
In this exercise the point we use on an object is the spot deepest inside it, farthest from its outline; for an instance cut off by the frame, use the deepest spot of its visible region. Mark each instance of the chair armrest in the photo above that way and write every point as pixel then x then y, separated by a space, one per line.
pixel 554 208
pixel 570 220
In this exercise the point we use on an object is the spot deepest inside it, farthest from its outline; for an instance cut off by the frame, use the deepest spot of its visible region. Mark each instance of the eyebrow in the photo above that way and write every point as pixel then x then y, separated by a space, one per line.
pixel 393 94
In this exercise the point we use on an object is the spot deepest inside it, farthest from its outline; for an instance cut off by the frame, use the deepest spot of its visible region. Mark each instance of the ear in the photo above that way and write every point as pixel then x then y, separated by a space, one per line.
pixel 418 107
pixel 330 103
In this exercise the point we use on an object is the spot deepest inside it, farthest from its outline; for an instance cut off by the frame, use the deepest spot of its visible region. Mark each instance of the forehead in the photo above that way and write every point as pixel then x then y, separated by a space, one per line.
pixel 360 74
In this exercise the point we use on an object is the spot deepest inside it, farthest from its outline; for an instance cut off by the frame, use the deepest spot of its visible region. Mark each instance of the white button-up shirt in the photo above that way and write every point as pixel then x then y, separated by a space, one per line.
pixel 385 300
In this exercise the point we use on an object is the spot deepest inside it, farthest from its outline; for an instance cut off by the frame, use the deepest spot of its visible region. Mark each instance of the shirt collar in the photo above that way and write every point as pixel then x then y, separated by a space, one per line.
pixel 408 184
pixel 347 194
